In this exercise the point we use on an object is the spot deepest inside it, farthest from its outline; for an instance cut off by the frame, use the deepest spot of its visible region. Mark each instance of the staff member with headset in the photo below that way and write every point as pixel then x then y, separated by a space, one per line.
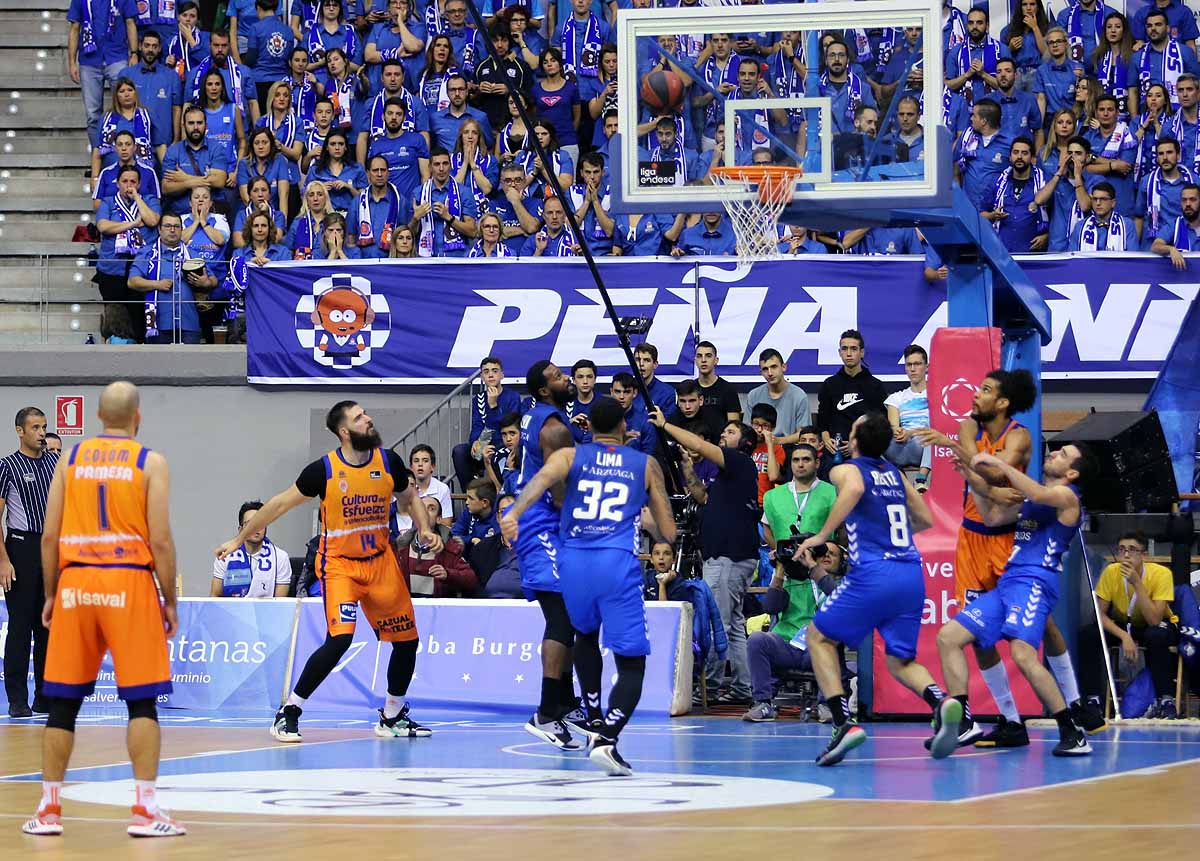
pixel 257 569
pixel 728 537
pixel 25 477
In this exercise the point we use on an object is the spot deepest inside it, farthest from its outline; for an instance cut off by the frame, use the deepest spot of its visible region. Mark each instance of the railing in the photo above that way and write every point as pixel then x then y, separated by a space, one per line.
pixel 446 425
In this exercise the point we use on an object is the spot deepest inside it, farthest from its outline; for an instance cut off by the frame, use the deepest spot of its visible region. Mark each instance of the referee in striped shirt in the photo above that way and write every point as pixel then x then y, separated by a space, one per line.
pixel 24 485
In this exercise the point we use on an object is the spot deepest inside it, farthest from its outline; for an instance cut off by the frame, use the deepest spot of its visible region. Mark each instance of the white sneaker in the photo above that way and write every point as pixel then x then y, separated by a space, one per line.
pixel 156 824
pixel 47 822
pixel 604 754
pixel 553 732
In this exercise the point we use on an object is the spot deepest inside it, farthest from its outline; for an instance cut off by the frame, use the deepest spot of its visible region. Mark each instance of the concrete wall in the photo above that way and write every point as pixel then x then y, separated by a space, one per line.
pixel 227 442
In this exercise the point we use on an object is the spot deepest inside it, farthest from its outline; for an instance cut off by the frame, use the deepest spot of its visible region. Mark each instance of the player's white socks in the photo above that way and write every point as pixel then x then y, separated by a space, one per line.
pixel 392 706
pixel 1064 674
pixel 146 796
pixel 50 790
pixel 294 700
pixel 996 679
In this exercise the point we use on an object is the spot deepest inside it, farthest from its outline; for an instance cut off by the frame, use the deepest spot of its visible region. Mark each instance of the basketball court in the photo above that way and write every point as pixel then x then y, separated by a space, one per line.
pixel 704 787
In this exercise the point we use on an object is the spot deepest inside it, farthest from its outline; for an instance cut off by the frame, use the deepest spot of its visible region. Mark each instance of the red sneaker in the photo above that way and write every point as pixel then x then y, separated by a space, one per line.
pixel 47 822
pixel 157 824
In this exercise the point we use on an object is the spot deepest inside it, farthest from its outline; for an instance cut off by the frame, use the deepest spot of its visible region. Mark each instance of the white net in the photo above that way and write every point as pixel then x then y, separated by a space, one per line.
pixel 755 209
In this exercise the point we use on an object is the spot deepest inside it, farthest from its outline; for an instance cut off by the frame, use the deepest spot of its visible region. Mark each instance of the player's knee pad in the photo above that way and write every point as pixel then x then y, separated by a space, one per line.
pixel 630 666
pixel 63 713
pixel 145 708
pixel 558 623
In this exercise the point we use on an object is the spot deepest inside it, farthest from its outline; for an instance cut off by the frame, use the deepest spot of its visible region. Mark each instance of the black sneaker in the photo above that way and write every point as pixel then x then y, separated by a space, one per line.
pixel 968 733
pixel 604 753
pixel 400 726
pixel 1073 743
pixel 553 732
pixel 40 707
pixel 286 727
pixel 19 710
pixel 947 728
pixel 578 720
pixel 844 739
pixel 1087 716
pixel 1007 733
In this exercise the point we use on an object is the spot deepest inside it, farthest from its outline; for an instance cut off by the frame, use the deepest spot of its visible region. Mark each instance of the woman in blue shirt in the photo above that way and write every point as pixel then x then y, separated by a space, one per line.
pixel 562 164
pixel 430 87
pixel 1154 117
pixel 127 115
pixel 333 244
pixel 225 129
pixel 189 45
pixel 264 160
pixel 402 37
pixel 329 32
pixel 556 98
pixel 344 179
pixel 259 201
pixel 1111 62
pixel 1025 38
pixel 471 165
pixel 345 89
pixel 490 243
pixel 525 40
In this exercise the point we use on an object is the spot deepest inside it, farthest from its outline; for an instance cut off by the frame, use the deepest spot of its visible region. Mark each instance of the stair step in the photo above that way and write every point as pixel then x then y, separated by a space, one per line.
pixel 25 230
pixel 37 186
pixel 46 86
pixel 72 142
pixel 23 57
pixel 21 248
pixel 55 113
pixel 64 279
pixel 37 6
pixel 36 26
pixel 33 40
pixel 10 205
pixel 70 164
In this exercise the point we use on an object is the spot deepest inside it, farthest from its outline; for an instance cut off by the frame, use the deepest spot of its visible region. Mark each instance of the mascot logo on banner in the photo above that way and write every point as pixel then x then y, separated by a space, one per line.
pixel 958 399
pixel 341 321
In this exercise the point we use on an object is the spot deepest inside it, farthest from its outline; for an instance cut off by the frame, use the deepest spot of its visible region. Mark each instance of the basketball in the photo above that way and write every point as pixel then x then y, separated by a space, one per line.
pixel 662 91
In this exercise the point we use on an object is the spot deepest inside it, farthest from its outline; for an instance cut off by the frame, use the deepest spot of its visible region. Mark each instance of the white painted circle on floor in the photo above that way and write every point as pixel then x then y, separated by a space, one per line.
pixel 450 792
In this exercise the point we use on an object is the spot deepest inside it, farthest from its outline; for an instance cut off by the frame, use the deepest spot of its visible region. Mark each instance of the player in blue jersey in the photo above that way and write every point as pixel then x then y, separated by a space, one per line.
pixel 545 429
pixel 885 588
pixel 607 484
pixel 1017 609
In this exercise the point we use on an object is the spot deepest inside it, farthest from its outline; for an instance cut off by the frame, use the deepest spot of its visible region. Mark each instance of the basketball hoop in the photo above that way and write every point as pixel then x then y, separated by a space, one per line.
pixel 761 193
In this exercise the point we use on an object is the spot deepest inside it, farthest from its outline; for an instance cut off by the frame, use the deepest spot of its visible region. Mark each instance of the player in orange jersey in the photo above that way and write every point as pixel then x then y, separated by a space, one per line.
pixel 983 550
pixel 356 482
pixel 107 537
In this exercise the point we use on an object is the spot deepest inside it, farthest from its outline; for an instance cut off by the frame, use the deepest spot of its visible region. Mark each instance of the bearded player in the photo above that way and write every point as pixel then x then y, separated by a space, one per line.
pixel 355 482
pixel 983 550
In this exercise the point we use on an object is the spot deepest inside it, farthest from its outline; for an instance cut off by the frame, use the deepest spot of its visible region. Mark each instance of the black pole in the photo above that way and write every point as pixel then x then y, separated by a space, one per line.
pixel 675 481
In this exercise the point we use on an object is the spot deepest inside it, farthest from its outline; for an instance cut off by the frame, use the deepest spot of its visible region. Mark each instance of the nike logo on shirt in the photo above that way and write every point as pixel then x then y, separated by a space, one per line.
pixel 848 401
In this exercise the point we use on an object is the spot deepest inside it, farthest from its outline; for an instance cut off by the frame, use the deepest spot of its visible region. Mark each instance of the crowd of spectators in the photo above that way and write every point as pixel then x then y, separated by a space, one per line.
pixel 345 129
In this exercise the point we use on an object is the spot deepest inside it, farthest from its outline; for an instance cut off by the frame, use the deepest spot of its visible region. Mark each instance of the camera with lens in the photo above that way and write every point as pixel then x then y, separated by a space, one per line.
pixel 785 549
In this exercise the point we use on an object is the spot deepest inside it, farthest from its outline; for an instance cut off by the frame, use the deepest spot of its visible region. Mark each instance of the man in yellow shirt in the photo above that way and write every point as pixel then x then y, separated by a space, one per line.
pixel 1134 597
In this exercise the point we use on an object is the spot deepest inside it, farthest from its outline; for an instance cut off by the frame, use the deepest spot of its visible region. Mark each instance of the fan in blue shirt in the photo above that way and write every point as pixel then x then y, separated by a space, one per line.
pixel 478 519
pixel 1020 223
pixel 1020 115
pixel 712 235
pixel 640 434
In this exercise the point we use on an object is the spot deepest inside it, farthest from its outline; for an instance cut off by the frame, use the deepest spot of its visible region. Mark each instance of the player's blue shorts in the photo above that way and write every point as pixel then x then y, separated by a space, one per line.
pixel 538 551
pixel 883 595
pixel 602 588
pixel 1015 610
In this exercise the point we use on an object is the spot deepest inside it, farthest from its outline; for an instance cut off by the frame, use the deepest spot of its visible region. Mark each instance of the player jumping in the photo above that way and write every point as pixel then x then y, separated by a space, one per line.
pixel 607 483
pixel 1017 609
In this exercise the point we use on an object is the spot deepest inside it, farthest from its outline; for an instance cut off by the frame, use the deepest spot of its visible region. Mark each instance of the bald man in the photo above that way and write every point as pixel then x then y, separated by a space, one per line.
pixel 107 536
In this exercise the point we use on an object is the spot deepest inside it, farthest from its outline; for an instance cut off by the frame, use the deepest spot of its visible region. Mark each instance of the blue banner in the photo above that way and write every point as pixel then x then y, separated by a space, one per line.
pixel 430 322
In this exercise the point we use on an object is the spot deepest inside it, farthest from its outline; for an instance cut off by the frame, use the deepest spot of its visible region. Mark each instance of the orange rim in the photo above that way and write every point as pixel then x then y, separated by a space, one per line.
pixel 759 173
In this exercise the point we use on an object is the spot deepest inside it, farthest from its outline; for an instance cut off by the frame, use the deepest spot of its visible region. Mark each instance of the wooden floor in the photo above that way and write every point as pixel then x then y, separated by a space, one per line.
pixel 1147 813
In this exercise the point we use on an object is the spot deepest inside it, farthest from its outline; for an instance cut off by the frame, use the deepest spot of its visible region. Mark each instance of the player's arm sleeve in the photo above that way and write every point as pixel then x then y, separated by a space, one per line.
pixel 311 481
pixel 400 474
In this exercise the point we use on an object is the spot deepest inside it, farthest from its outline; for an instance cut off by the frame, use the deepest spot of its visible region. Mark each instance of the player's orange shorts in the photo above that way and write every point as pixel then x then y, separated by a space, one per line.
pixel 107 609
pixel 979 561
pixel 377 585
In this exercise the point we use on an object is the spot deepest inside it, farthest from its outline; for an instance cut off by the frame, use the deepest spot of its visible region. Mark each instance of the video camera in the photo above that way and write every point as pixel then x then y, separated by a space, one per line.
pixel 794 569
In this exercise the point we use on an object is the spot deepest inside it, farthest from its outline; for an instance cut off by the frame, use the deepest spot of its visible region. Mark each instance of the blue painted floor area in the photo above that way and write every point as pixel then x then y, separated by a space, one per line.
pixel 891 766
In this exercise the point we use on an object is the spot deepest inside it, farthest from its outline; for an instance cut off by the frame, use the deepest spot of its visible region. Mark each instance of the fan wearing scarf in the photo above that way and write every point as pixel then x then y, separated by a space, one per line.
pixel 1184 124
pixel 1068 186
pixel 490 243
pixel 1116 149
pixel 262 247
pixel 751 127
pixel 329 32
pixel 719 70
pixel 1020 223
pixel 188 45
pixel 257 569
pixel 160 90
pixel 378 210
pixel 157 271
pixel 407 152
pixel 305 233
pixel 789 70
pixel 971 67
pixel 303 88
pixel 126 221
pixel 590 199
pixel 555 239
pixel 1104 229
pixel 1158 200
pixel 105 183
pixel 101 42
pixel 954 27
pixel 668 147
pixel 415 117
pixel 580 38
pixel 845 89
pixel 444 211
pixel 1162 59
pixel 239 80
pixel 982 154
pixel 1181 21
pixel 1183 232
pixel 1084 22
